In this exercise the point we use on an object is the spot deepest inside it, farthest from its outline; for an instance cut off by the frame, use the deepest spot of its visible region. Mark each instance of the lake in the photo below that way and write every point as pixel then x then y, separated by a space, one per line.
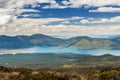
pixel 60 50
pixel 70 50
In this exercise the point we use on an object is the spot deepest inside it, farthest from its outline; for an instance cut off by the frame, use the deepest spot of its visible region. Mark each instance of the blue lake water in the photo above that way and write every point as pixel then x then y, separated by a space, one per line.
pixel 70 50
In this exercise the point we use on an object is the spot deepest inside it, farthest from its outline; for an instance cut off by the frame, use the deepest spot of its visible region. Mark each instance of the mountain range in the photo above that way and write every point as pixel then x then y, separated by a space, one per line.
pixel 41 40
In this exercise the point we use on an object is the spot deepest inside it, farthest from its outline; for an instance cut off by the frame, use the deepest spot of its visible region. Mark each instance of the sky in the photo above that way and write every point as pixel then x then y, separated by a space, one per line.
pixel 60 18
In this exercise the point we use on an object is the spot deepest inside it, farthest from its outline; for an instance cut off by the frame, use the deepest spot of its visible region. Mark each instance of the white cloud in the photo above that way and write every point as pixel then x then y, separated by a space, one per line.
pixel 76 17
pixel 4 19
pixel 12 8
pixel 19 3
pixel 36 22
pixel 9 15
pixel 66 22
pixel 18 11
pixel 78 3
pixel 84 21
pixel 40 21
pixel 113 20
pixel 88 3
pixel 61 30
pixel 65 2
pixel 106 9
pixel 32 26
pixel 53 4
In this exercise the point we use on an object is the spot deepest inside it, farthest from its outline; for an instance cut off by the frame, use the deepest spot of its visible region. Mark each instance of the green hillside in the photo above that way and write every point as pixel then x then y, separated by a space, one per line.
pixel 40 40
pixel 94 44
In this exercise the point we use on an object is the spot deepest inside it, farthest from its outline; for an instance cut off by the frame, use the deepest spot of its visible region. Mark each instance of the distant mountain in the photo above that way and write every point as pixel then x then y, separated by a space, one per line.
pixel 8 42
pixel 94 43
pixel 115 43
pixel 113 36
pixel 40 40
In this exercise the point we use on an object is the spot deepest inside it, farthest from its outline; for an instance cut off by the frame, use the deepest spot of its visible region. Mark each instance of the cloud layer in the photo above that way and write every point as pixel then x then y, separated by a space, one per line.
pixel 106 9
pixel 10 24
pixel 25 27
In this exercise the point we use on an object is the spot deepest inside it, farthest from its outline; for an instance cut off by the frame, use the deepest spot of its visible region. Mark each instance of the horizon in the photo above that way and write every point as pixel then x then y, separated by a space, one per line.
pixel 91 36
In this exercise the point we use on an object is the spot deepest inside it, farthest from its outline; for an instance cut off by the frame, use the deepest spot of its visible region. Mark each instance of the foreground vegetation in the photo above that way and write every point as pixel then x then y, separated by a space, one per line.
pixel 59 74
pixel 51 66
